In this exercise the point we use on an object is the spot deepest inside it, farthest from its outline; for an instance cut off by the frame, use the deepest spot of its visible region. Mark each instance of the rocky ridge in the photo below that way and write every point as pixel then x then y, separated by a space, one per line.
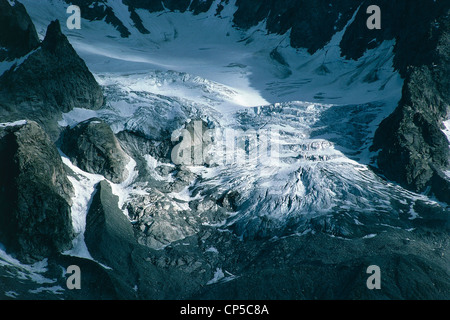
pixel 18 33
pixel 52 79
pixel 35 205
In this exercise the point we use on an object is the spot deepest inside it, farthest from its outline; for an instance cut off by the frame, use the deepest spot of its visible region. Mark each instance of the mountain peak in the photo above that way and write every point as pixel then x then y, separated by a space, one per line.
pixel 53 37
pixel 55 76
pixel 17 32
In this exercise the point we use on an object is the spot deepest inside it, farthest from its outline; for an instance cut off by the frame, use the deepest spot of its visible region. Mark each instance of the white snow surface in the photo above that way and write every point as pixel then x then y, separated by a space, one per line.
pixel 220 277
pixel 13 124
pixel 208 46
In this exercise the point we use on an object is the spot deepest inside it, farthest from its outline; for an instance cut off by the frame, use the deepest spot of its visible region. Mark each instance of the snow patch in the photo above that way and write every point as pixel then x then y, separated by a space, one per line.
pixel 212 249
pixel 34 272
pixel 84 184
pixel 446 130
pixel 54 290
pixel 413 213
pixel 221 276
pixel 13 124
pixel 11 294
pixel 123 190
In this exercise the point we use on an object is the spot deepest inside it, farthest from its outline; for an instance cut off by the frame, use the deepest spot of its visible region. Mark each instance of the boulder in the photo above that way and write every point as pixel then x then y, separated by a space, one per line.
pixel 92 146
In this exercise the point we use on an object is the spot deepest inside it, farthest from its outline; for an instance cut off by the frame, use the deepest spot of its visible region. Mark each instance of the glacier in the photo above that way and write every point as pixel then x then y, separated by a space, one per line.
pixel 324 108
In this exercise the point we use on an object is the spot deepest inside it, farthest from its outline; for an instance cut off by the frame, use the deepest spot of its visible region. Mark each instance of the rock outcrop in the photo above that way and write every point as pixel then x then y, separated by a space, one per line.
pixel 312 23
pixel 52 79
pixel 35 194
pixel 413 266
pixel 412 24
pixel 109 234
pixel 92 146
pixel 17 33
pixel 45 79
pixel 196 6
pixel 97 11
pixel 413 149
pixel 137 270
pixel 54 75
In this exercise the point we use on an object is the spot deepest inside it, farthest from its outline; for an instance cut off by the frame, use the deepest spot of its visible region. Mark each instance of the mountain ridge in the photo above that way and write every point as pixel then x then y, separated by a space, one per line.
pixel 51 76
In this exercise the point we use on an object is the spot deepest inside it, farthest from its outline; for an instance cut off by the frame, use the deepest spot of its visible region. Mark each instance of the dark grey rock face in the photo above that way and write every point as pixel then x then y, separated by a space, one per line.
pixel 137 21
pixel 196 6
pixel 53 79
pixel 413 148
pixel 98 10
pixel 199 6
pixel 93 147
pixel 54 75
pixel 137 146
pixel 96 282
pixel 137 271
pixel 410 23
pixel 109 234
pixel 179 5
pixel 151 5
pixel 157 222
pixel 35 194
pixel 312 23
pixel 414 265
pixel 17 33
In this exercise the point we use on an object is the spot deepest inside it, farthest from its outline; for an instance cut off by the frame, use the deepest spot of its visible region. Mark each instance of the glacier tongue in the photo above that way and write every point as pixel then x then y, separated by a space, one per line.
pixel 314 182
pixel 315 176
pixel 320 179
